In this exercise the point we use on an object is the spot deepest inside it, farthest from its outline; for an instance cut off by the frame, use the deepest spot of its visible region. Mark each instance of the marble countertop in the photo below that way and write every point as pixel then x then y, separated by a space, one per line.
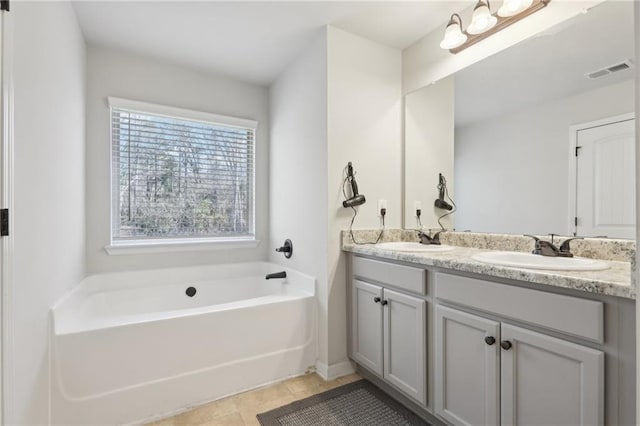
pixel 615 281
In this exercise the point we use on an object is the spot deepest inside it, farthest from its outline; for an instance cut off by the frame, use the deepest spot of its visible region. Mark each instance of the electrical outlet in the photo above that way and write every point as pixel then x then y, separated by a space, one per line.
pixel 417 205
pixel 382 204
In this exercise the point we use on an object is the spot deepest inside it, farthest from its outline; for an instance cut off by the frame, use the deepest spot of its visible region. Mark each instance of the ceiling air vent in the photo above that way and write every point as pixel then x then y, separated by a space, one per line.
pixel 625 65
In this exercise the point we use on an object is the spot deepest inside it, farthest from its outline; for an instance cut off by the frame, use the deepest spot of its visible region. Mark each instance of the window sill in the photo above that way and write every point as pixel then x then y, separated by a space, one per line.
pixel 172 246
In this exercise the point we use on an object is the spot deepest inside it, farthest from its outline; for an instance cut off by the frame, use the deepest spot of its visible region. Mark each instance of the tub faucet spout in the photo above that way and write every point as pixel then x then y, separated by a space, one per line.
pixel 282 274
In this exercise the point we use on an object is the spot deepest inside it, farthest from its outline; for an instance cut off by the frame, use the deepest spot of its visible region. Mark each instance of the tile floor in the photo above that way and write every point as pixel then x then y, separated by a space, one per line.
pixel 241 409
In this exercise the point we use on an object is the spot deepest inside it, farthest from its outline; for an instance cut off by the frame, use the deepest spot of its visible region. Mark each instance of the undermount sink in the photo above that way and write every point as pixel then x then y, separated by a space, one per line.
pixel 414 247
pixel 535 261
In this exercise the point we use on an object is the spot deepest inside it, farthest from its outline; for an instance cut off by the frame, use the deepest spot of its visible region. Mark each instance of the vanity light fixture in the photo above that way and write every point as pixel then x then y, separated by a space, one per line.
pixel 484 23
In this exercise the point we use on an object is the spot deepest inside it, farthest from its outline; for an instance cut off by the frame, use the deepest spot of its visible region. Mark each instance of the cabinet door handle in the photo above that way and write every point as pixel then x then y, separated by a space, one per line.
pixel 506 345
pixel 489 340
pixel 376 299
pixel 384 302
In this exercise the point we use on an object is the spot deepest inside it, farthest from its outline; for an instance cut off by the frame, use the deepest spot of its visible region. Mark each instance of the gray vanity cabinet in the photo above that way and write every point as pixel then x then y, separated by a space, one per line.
pixel 495 351
pixel 404 343
pixel 467 368
pixel 366 322
pixel 545 380
pixel 388 326
pixel 491 372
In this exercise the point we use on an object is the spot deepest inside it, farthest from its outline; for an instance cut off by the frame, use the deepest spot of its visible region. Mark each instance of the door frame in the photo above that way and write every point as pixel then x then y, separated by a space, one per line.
pixel 6 201
pixel 573 160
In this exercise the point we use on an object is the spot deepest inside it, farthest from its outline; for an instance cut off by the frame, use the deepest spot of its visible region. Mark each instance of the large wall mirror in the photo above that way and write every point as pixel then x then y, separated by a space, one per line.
pixel 511 125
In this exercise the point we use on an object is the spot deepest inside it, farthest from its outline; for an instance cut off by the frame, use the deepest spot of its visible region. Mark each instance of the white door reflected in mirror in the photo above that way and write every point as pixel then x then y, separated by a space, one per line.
pixel 605 180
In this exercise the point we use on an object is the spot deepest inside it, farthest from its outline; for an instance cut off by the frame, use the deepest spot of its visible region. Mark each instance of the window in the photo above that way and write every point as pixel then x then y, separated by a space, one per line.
pixel 180 175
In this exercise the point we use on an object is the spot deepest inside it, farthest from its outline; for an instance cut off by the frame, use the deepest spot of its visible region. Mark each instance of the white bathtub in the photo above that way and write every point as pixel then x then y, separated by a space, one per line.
pixel 132 346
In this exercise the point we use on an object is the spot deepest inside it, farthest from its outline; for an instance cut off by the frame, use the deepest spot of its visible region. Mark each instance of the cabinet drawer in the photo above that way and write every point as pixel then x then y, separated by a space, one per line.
pixel 570 315
pixel 404 277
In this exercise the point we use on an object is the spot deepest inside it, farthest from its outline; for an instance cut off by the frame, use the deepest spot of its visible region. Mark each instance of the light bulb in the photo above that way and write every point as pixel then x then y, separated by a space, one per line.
pixel 453 35
pixel 513 7
pixel 481 20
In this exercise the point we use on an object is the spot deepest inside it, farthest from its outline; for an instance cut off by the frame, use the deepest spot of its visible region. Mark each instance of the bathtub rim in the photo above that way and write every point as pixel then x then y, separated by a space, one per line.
pixel 302 286
pixel 139 319
pixel 94 283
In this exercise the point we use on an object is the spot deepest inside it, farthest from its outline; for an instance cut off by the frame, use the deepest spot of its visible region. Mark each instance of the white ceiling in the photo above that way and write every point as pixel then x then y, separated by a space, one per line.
pixel 549 66
pixel 250 41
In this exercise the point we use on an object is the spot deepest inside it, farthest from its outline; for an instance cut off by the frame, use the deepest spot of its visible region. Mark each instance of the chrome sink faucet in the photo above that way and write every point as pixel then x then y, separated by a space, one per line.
pixel 428 239
pixel 546 248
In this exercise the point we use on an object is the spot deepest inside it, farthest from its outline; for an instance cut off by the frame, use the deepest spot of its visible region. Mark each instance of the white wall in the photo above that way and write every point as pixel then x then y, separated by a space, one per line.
pixel 338 102
pixel 429 141
pixel 49 195
pixel 512 172
pixel 119 74
pixel 298 169
pixel 425 62
pixel 364 127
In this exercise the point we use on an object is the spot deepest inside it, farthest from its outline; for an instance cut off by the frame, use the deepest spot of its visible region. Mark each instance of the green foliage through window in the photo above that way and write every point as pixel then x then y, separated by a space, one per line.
pixel 175 178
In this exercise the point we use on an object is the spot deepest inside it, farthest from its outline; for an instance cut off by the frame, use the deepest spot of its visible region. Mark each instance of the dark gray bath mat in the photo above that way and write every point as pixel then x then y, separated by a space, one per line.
pixel 356 404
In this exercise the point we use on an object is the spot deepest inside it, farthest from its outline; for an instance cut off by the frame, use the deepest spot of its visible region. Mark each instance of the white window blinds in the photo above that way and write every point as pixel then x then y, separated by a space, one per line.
pixel 176 178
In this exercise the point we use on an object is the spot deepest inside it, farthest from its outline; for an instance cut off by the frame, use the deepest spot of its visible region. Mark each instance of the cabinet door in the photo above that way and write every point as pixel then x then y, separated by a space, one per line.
pixel 549 381
pixel 405 343
pixel 467 368
pixel 366 322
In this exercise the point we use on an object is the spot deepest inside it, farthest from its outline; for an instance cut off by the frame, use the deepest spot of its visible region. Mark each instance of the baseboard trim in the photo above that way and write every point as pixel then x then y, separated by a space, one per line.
pixel 333 371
